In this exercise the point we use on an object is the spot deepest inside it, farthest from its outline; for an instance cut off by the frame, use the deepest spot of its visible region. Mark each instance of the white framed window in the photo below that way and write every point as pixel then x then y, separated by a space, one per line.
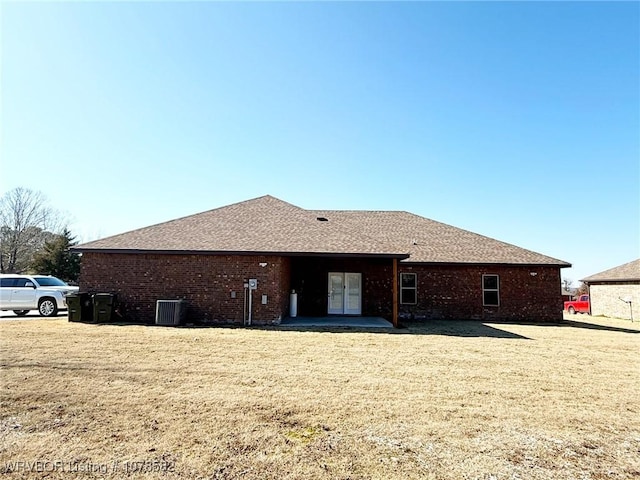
pixel 491 290
pixel 408 288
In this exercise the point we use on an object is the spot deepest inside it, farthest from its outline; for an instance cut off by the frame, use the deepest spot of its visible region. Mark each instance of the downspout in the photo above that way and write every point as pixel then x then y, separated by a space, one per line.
pixel 244 305
pixel 250 296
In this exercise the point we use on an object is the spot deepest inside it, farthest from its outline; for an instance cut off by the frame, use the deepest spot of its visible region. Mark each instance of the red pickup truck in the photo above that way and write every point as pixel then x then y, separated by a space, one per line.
pixel 581 305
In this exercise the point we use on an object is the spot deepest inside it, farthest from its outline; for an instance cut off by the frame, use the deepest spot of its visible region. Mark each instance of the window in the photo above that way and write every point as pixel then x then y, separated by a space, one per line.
pixel 490 290
pixel 50 282
pixel 7 282
pixel 408 288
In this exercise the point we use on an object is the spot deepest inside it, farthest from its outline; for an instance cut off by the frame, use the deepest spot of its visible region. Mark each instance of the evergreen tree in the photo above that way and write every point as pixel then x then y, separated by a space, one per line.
pixel 56 258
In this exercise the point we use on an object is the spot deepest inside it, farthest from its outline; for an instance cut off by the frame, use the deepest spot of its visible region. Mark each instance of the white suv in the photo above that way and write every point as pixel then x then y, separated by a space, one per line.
pixel 22 293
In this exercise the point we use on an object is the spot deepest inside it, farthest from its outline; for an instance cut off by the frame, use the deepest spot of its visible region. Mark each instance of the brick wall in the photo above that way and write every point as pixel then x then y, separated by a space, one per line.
pixel 205 281
pixel 455 292
pixel 444 292
pixel 605 300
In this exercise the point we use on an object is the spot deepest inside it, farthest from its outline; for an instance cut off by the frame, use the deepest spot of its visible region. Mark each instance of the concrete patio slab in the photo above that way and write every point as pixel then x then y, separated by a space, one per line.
pixel 337 321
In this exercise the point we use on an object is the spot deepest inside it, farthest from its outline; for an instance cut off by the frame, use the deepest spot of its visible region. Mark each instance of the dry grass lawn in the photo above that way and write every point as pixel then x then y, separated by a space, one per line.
pixel 451 400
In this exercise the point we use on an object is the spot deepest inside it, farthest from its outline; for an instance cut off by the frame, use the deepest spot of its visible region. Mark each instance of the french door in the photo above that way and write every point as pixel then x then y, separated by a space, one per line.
pixel 345 293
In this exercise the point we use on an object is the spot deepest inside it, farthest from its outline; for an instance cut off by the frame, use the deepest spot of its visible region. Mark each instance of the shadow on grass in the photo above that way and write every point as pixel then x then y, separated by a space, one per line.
pixel 462 328
pixel 458 328
pixel 596 326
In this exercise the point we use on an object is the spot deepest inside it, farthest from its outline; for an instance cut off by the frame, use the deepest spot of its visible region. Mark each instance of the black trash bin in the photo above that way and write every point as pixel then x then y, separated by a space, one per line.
pixel 74 307
pixel 103 304
pixel 86 307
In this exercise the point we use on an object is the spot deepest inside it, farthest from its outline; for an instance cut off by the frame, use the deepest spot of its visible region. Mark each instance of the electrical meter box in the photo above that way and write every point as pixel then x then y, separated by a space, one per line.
pixel 253 284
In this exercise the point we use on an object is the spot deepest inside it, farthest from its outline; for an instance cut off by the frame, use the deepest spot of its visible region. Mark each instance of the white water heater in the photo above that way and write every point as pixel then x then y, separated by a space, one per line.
pixel 293 304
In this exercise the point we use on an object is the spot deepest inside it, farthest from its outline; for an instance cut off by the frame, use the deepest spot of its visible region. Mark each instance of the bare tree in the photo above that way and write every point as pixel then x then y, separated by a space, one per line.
pixel 583 289
pixel 26 222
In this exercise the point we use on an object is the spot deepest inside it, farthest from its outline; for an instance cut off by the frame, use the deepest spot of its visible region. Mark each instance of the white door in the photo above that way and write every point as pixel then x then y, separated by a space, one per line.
pixel 353 295
pixel 336 293
pixel 345 293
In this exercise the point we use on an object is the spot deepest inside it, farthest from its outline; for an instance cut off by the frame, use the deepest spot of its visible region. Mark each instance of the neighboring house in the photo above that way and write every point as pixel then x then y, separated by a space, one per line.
pixel 610 289
pixel 567 295
pixel 375 263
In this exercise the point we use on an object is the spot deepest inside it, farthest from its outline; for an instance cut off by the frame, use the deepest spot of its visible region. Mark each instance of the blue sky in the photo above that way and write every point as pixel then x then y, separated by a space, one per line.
pixel 516 120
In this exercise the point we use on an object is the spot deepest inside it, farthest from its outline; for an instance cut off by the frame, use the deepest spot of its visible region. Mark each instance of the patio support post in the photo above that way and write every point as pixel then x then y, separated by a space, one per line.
pixel 395 292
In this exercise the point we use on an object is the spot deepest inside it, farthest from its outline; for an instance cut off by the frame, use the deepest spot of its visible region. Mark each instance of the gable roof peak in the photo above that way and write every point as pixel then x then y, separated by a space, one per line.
pixel 267 200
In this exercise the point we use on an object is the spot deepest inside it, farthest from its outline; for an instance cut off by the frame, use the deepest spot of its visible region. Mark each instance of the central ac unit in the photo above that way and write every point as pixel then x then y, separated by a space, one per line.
pixel 170 312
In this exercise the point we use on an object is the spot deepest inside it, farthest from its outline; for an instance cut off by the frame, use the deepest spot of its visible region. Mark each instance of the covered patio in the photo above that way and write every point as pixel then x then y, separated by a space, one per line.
pixel 345 286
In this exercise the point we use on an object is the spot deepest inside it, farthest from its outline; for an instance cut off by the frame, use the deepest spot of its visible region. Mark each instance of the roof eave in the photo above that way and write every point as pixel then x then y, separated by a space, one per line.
pixel 509 264
pixel 609 280
pixel 399 256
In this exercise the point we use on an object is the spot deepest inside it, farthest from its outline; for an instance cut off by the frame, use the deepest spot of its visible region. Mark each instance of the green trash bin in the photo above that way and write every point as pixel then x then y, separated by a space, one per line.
pixel 103 304
pixel 74 307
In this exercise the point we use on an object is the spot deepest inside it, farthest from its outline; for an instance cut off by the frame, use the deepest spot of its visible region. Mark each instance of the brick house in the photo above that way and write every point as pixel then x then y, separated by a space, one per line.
pixel 608 291
pixel 391 264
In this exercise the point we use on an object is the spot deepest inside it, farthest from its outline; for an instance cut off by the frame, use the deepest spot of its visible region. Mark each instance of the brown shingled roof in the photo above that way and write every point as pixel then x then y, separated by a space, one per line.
pixel 269 225
pixel 628 272
pixel 428 241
